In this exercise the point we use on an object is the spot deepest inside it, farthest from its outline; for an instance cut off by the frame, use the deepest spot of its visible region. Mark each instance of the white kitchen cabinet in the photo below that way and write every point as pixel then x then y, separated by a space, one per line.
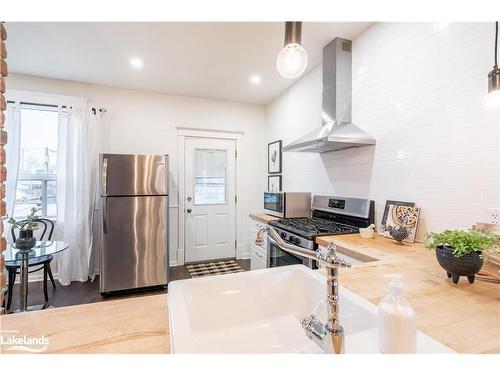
pixel 257 260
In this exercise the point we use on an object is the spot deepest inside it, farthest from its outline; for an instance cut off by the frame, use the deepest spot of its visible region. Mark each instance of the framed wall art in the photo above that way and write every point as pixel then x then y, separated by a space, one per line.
pixel 274 183
pixel 274 157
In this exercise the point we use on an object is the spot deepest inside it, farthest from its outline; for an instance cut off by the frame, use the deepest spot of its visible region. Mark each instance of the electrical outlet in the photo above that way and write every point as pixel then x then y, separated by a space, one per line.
pixel 492 215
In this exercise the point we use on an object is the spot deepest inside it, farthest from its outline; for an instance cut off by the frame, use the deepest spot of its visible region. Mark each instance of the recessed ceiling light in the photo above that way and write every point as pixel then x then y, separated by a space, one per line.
pixel 255 79
pixel 136 63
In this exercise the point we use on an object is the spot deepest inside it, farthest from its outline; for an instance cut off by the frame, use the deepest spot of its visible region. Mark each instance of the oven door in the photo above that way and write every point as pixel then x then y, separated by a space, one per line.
pixel 277 257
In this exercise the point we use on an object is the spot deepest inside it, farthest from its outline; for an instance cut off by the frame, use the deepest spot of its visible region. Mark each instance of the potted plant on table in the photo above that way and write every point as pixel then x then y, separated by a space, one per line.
pixel 460 252
pixel 25 240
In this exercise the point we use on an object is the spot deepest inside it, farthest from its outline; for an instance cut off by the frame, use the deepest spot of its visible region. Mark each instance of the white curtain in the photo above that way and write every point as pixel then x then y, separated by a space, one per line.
pixel 76 191
pixel 12 154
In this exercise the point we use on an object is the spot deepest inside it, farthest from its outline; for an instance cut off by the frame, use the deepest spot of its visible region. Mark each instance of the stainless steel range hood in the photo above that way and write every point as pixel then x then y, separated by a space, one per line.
pixel 337 132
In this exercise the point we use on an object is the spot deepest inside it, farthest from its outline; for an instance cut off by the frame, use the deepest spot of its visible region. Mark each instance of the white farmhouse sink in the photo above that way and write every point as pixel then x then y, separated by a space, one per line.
pixel 260 311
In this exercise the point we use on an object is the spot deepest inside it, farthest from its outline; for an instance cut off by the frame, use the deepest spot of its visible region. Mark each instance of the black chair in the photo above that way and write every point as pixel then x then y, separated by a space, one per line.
pixel 43 261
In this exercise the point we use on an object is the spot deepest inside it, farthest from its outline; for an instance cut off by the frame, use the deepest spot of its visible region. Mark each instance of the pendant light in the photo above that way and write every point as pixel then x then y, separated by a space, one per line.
pixel 492 100
pixel 292 59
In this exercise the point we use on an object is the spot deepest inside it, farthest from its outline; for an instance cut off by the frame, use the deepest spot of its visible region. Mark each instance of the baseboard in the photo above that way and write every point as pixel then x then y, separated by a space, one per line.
pixel 245 256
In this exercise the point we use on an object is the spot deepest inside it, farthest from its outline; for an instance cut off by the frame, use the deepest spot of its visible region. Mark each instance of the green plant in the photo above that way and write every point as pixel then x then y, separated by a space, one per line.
pixel 30 223
pixel 463 241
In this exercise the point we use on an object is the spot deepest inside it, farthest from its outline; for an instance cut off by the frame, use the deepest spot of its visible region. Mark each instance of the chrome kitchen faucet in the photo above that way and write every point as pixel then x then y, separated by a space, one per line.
pixel 316 330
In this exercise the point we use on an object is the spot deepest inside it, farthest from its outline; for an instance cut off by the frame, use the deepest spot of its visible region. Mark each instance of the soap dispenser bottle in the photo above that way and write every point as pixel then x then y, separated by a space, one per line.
pixel 397 324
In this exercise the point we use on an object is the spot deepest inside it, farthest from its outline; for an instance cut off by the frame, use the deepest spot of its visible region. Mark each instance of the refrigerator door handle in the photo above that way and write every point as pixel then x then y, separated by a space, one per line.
pixel 105 215
pixel 104 176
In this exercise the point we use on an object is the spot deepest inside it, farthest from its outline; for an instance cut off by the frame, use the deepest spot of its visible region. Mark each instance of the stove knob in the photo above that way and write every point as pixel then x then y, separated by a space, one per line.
pixel 283 235
pixel 296 240
pixel 291 238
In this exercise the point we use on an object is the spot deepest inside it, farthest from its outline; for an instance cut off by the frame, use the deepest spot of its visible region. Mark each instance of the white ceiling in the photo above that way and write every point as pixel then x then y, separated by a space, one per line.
pixel 204 59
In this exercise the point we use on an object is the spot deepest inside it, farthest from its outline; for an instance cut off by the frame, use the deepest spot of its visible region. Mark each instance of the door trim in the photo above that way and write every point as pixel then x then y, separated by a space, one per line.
pixel 237 136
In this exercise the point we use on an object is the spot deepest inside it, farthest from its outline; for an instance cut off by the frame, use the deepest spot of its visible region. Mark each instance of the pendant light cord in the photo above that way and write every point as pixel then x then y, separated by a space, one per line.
pixel 496 44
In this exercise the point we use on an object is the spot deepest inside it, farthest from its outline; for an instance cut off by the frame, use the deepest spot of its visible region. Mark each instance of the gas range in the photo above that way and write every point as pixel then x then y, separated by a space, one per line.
pixel 331 215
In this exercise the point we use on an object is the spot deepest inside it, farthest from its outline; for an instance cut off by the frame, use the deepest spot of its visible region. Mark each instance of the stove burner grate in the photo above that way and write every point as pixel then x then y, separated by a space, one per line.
pixel 315 226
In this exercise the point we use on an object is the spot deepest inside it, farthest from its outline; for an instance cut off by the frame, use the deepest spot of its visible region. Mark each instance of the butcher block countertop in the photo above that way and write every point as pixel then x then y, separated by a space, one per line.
pixel 465 317
pixel 263 218
pixel 134 325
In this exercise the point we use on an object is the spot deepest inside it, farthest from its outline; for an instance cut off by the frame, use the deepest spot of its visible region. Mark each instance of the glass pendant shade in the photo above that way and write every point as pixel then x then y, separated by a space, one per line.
pixel 491 100
pixel 292 59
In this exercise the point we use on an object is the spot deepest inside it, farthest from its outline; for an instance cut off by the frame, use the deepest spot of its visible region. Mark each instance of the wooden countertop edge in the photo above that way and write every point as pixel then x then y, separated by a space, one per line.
pixel 263 218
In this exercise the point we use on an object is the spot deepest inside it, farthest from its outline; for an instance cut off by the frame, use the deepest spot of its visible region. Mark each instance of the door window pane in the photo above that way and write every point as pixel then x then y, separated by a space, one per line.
pixel 209 177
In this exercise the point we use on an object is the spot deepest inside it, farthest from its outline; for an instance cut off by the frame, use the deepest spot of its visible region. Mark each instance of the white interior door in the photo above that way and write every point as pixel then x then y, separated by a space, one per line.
pixel 210 177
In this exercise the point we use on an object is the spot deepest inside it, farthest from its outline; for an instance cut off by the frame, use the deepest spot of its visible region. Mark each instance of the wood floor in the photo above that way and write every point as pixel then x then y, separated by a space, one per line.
pixel 80 293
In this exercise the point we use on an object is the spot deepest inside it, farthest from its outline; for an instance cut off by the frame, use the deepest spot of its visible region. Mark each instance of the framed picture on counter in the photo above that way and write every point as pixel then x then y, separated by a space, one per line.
pixel 274 157
pixel 274 183
pixel 386 209
pixel 406 216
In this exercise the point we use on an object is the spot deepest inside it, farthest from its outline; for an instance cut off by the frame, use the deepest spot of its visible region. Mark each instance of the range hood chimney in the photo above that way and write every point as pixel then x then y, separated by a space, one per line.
pixel 337 131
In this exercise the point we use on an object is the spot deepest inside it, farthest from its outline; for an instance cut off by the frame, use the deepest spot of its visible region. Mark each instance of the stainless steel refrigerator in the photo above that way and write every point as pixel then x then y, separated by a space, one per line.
pixel 134 207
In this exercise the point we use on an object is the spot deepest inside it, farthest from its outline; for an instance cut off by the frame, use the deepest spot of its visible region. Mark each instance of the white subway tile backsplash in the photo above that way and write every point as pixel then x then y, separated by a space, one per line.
pixel 418 89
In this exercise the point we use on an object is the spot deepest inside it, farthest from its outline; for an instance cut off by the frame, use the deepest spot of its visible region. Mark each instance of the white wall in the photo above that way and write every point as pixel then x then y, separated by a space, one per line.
pixel 144 122
pixel 417 88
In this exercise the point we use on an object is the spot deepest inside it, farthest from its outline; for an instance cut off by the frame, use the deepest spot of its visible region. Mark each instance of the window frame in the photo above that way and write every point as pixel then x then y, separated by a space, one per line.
pixel 44 178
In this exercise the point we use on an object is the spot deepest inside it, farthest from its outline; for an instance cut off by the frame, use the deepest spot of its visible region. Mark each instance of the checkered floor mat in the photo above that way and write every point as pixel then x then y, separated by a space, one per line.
pixel 219 267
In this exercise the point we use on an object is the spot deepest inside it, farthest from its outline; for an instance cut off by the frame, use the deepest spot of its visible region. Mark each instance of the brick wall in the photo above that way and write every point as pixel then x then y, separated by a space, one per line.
pixel 3 141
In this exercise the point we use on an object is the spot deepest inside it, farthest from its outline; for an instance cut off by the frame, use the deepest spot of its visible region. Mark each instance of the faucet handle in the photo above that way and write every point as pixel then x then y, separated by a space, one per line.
pixel 329 255
pixel 331 246
pixel 314 328
pixel 259 239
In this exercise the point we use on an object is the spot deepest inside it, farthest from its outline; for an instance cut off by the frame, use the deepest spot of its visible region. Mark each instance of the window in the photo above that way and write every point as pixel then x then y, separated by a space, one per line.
pixel 38 160
pixel 210 177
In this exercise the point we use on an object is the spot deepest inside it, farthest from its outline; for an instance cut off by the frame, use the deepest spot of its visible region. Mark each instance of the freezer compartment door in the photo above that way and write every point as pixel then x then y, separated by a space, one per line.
pixel 125 175
pixel 135 242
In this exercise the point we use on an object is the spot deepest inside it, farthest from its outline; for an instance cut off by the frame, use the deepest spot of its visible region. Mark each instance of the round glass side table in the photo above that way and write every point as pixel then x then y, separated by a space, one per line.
pixel 40 249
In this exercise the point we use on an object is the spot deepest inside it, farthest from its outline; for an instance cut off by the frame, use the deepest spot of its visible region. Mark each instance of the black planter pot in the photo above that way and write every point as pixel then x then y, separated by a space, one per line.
pixel 466 265
pixel 26 240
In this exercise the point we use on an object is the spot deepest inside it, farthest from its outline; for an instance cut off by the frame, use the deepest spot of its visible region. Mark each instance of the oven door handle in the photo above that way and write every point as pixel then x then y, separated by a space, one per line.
pixel 271 241
pixel 273 236
pixel 307 260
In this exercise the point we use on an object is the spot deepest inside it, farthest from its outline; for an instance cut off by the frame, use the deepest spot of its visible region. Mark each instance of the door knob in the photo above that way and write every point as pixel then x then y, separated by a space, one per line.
pixel 188 210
